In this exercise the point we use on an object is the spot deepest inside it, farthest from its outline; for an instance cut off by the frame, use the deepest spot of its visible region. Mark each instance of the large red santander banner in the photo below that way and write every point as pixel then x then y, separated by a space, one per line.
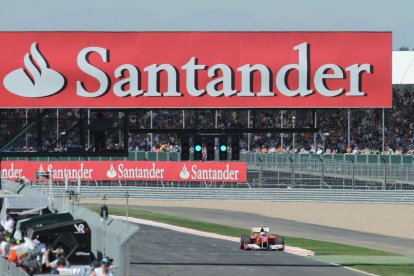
pixel 195 69
pixel 128 170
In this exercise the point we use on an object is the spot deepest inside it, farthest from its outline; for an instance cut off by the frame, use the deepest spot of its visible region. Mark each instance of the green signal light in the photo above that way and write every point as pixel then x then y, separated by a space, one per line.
pixel 197 148
pixel 223 148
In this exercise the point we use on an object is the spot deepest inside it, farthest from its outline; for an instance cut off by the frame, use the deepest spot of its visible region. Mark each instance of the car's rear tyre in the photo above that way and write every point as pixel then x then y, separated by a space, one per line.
pixel 244 240
pixel 280 241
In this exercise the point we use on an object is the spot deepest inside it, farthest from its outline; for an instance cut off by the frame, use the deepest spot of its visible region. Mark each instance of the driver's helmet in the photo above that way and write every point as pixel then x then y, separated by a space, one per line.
pixel 262 233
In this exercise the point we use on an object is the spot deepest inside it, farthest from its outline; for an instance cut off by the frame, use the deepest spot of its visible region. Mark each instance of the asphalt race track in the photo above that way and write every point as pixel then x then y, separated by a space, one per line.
pixel 158 251
pixel 292 228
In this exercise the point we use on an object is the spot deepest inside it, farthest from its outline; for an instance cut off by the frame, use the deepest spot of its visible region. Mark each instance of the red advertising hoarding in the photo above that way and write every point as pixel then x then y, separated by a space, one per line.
pixel 128 170
pixel 195 69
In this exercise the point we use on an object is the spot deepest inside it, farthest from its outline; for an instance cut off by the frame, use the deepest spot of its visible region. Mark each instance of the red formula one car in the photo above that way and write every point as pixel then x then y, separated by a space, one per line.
pixel 261 239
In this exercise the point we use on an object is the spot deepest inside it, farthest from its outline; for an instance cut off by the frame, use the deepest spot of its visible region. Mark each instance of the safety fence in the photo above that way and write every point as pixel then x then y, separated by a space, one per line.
pixel 315 171
pixel 262 194
pixel 288 172
pixel 333 171
pixel 109 237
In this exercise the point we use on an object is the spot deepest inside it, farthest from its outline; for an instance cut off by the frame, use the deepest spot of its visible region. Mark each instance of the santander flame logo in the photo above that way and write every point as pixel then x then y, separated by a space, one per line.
pixel 184 174
pixel 37 79
pixel 111 173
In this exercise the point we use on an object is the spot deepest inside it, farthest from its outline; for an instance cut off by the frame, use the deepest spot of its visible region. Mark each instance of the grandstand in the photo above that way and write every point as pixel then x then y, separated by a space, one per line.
pixel 60 128
pixel 286 132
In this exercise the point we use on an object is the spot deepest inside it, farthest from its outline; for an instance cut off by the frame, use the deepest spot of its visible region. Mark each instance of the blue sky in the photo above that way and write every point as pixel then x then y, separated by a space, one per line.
pixel 214 15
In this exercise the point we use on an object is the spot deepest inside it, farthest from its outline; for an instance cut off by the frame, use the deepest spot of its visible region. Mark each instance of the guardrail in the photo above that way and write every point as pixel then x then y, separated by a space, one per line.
pixel 168 193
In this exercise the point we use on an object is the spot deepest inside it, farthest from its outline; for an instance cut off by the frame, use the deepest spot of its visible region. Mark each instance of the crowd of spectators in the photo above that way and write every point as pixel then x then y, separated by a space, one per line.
pixel 365 128
pixel 35 256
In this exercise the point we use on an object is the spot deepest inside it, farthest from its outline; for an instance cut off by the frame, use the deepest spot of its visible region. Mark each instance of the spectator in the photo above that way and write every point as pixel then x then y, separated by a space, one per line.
pixel 366 127
pixel 59 254
pixel 104 269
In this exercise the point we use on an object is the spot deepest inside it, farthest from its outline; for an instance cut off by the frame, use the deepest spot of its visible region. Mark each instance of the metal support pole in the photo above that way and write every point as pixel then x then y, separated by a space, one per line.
pixel 39 133
pixel 281 126
pixel 27 121
pixel 314 134
pixel 151 133
pixel 120 138
pixel 89 129
pixel 127 206
pixel 353 173
pixel 57 128
pixel 72 197
pixel 323 144
pixel 104 222
pixel 51 193
pixel 383 130
pixel 126 127
pixel 81 129
pixel 261 177
pixel 349 127
pixel 293 135
pixel 321 179
pixel 216 119
pixel 292 179
pixel 385 175
pixel 248 134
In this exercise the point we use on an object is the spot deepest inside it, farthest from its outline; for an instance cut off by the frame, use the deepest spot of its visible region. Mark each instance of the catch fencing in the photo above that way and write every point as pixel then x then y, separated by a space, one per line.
pixel 324 172
pixel 267 170
pixel 296 172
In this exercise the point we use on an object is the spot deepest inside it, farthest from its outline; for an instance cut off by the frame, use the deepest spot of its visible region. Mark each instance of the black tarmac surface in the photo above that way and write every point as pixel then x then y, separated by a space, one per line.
pixel 158 251
pixel 292 228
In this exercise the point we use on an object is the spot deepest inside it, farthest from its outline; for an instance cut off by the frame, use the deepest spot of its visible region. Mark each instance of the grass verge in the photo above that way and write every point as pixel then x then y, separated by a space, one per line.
pixel 386 270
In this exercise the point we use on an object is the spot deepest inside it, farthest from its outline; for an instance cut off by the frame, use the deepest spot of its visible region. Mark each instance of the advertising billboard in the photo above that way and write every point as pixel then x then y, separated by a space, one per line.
pixel 195 69
pixel 128 170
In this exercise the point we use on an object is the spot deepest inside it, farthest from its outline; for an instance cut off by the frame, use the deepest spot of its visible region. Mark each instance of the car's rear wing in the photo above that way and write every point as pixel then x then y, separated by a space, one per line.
pixel 257 229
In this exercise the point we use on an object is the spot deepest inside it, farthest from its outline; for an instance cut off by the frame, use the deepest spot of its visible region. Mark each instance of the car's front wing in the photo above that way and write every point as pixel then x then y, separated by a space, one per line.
pixel 254 246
